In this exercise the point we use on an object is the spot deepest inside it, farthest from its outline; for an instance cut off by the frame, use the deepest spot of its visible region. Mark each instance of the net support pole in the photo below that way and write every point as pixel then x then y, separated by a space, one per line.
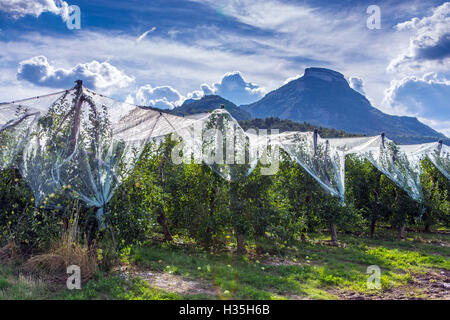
pixel 315 136
pixel 79 85
pixel 79 102
pixel 113 238
pixel 325 161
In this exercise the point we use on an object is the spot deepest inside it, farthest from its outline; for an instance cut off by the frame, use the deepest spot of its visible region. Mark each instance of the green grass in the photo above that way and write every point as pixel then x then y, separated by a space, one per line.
pixel 114 287
pixel 319 270
pixel 315 270
pixel 19 287
pixel 101 287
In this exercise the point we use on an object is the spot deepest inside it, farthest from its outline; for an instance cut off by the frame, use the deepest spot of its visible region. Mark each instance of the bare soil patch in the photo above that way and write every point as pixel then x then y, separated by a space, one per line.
pixel 175 283
pixel 431 285
pixel 277 261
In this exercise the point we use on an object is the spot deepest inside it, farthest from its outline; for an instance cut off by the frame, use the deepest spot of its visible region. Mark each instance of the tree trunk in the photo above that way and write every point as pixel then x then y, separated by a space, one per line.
pixel 427 228
pixel 207 243
pixel 334 240
pixel 91 233
pixel 163 223
pixel 162 217
pixel 372 228
pixel 240 243
pixel 401 232
pixel 211 209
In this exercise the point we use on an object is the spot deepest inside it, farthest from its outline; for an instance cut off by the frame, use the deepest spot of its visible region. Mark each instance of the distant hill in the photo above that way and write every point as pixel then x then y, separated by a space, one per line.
pixel 209 103
pixel 322 97
pixel 289 125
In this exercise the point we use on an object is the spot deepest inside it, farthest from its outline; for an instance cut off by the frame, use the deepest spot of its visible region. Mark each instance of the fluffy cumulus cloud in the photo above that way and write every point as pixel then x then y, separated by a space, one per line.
pixel 20 8
pixel 429 46
pixel 426 97
pixel 234 88
pixel 356 84
pixel 163 97
pixel 97 75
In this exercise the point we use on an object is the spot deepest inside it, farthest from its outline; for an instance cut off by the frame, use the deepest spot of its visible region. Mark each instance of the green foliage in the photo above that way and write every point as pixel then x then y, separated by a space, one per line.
pixel 381 201
pixel 190 201
pixel 437 196
pixel 209 103
pixel 20 221
pixel 363 187
pixel 289 125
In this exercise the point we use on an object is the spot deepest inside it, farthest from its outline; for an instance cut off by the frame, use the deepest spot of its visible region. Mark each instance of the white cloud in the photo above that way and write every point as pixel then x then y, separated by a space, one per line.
pixel 20 8
pixel 269 14
pixel 422 88
pixel 197 94
pixel 440 126
pixel 424 97
pixel 314 35
pixel 142 36
pixel 267 61
pixel 293 78
pixel 356 84
pixel 13 89
pixel 159 62
pixel 429 45
pixel 98 75
pixel 233 87
pixel 163 97
pixel 324 38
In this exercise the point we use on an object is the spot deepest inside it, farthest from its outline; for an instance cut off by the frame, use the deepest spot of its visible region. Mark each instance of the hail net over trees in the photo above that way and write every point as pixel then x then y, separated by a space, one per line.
pixel 80 144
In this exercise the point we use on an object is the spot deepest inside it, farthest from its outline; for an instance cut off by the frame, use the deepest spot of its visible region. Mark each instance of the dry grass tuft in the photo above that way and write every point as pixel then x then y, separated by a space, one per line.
pixel 53 265
pixel 7 252
pixel 68 250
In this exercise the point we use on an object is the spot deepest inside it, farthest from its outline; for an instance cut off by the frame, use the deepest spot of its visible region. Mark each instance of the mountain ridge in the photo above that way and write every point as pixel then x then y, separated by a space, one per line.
pixel 208 103
pixel 323 97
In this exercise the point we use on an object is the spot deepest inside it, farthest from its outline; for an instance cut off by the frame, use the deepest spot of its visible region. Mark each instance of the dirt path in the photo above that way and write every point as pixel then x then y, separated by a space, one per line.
pixel 175 283
pixel 431 285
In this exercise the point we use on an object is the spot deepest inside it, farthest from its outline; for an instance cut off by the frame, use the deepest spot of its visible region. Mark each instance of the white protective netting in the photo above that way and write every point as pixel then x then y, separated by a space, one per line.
pixel 16 121
pixel 318 157
pixel 81 144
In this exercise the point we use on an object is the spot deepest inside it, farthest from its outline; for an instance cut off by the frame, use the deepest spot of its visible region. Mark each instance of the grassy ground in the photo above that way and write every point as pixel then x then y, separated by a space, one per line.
pixel 417 267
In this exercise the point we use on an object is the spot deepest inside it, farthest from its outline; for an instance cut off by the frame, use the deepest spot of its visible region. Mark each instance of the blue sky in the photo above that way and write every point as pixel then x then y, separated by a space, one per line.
pixel 162 52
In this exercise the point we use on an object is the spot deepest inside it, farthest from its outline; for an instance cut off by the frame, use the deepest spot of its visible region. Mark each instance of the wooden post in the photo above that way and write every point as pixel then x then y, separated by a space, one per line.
pixel 333 230
pixel 401 232
pixel 325 161
pixel 78 104
pixel 440 146
pixel 315 137
pixel 79 85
